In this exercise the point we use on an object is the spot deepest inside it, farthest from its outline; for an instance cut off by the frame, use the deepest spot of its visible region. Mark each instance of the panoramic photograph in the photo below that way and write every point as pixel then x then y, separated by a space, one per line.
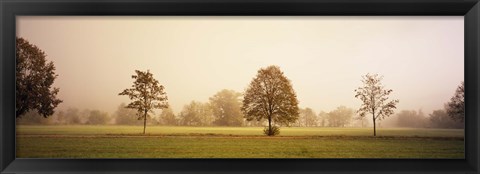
pixel 240 87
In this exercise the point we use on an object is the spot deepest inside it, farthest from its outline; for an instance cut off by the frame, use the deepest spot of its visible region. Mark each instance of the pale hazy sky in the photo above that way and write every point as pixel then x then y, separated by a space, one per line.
pixel 421 58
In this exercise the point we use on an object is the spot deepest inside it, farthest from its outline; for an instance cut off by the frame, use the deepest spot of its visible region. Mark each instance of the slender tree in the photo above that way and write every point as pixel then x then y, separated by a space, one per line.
pixel 374 98
pixel 456 107
pixel 270 96
pixel 34 79
pixel 146 94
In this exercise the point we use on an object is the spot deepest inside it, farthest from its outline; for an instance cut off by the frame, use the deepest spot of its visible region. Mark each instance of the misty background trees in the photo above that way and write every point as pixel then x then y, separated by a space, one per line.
pixel 196 114
pixel 411 118
pixel 167 117
pixel 34 118
pixel 402 119
pixel 307 118
pixel 69 117
pixel 340 117
pixel 440 119
pixel 226 108
pixel 97 117
pixel 126 116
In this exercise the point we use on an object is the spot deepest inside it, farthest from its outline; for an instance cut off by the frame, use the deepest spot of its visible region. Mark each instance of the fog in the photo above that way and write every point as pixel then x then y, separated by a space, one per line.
pixel 420 58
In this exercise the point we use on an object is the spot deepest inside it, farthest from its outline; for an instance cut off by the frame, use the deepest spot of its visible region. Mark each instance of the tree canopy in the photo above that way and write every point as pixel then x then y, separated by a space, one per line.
pixel 270 96
pixel 146 94
pixel 34 78
pixel 456 107
pixel 374 99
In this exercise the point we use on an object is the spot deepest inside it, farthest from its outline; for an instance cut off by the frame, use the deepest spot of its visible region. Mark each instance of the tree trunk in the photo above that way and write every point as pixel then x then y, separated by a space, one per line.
pixel 144 122
pixel 374 127
pixel 270 126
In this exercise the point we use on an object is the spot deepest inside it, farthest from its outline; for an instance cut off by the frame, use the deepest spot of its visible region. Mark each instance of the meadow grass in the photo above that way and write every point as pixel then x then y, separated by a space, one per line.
pixel 234 142
pixel 182 130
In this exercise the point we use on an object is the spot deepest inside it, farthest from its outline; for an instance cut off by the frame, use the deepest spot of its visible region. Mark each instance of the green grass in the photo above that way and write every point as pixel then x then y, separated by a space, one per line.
pixel 253 131
pixel 238 142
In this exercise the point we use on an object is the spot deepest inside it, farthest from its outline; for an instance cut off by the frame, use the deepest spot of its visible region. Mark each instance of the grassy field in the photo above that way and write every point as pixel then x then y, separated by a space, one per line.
pixel 235 142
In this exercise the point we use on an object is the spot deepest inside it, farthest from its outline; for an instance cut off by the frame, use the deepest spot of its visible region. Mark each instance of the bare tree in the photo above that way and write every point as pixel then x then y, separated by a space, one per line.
pixel 270 96
pixel 456 107
pixel 374 97
pixel 146 94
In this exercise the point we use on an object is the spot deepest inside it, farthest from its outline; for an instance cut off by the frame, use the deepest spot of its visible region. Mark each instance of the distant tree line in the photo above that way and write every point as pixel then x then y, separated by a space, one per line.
pixel 70 116
pixel 452 116
pixel 201 114
pixel 418 119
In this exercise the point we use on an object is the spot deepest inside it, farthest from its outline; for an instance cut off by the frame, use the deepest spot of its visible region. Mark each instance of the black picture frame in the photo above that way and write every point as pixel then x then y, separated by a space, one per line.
pixel 470 9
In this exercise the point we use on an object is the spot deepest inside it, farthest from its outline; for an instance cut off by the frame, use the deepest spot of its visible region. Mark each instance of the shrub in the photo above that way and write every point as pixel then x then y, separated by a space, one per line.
pixel 275 131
